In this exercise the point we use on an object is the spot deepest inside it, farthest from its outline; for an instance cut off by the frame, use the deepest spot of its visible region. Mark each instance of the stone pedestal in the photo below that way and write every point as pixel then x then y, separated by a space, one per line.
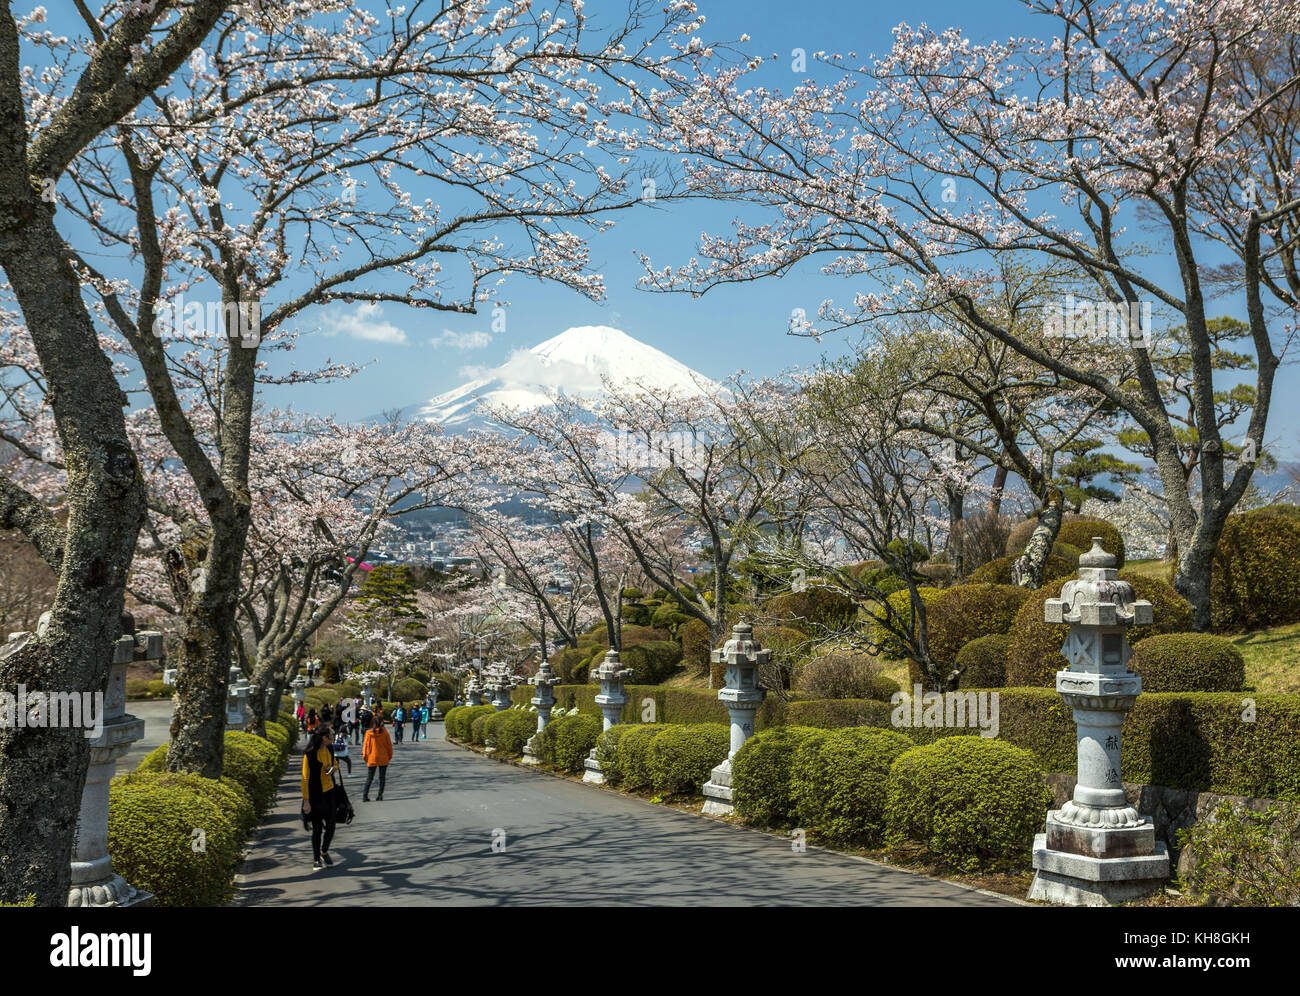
pixel 94 883
pixel 474 692
pixel 612 676
pixel 237 693
pixel 742 696
pixel 1097 849
pixel 543 701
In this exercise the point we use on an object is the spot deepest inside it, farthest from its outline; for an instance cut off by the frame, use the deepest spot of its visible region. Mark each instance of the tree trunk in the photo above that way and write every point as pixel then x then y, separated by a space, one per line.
pixel 1192 576
pixel 43 771
pixel 1027 571
pixel 956 509
pixel 995 499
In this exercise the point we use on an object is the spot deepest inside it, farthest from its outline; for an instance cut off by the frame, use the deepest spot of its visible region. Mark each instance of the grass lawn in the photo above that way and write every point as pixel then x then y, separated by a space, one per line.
pixel 1272 658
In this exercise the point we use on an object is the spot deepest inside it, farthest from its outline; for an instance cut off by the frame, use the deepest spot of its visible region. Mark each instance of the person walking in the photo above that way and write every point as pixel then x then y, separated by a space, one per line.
pixel 313 720
pixel 318 770
pixel 364 719
pixel 349 716
pixel 301 713
pixel 415 721
pixel 377 752
pixel 399 721
pixel 341 748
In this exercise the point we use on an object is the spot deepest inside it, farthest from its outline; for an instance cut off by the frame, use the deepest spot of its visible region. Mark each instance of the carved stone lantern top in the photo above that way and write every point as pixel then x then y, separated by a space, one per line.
pixel 1097 597
pixel 611 669
pixel 742 649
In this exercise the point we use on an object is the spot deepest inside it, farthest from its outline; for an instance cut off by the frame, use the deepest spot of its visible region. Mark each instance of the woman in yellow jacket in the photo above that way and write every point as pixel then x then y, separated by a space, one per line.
pixel 377 752
pixel 318 770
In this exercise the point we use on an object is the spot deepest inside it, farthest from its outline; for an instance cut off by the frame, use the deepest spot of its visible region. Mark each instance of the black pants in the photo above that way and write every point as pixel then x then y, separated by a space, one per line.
pixel 346 759
pixel 356 732
pixel 370 777
pixel 322 819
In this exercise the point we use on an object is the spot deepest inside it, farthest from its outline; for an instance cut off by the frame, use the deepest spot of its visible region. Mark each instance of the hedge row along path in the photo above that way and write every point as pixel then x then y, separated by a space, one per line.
pixel 429 843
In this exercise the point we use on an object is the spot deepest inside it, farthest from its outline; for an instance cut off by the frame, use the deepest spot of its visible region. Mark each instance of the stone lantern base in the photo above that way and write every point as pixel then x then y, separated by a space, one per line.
pixel 718 800
pixel 531 755
pixel 593 774
pixel 1097 866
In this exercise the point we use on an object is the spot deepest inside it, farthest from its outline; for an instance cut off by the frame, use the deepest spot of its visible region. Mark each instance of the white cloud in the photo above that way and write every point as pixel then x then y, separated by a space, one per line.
pixel 461 340
pixel 366 323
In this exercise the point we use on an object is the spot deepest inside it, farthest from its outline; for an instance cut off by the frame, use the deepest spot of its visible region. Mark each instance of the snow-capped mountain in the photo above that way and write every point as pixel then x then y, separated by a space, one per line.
pixel 571 363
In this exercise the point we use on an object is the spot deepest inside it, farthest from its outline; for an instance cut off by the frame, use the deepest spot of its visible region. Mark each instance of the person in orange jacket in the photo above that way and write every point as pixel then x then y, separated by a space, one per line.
pixel 377 752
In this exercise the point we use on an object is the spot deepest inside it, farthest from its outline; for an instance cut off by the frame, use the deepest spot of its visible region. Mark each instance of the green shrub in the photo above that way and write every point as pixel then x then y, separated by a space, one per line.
pixel 840 780
pixel 155 760
pixel 900 602
pixel 409 690
pixel 459 721
pixel 569 664
pixel 445 706
pixel 1034 654
pixel 634 755
pixel 830 713
pixel 451 721
pixel 653 661
pixel 478 726
pixel 137 688
pixel 816 608
pixel 1076 531
pixel 607 751
pixel 152 818
pixel 760 775
pixel 975 802
pixel 1188 662
pixel 278 736
pixel 998 571
pixel 573 739
pixel 1242 858
pixel 681 757
pixel 843 674
pixel 156 689
pixel 668 617
pixel 509 731
pixel 985 661
pixel 1255 578
pixel 256 765
pixel 696 644
pixel 960 614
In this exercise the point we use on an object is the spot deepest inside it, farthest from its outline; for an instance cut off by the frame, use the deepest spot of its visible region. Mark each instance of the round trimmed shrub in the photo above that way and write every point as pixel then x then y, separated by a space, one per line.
pixel 1034 653
pixel 1076 531
pixel 634 755
pixel 829 713
pixel 840 780
pixel 999 571
pixel 1188 662
pixel 816 607
pixel 967 611
pixel 975 802
pixel 985 661
pixel 843 674
pixel 508 731
pixel 155 760
pixel 451 721
pixel 409 690
pixel 256 765
pixel 653 661
pixel 901 603
pixel 478 727
pixel 151 822
pixel 760 774
pixel 607 751
pixel 1254 581
pixel 573 739
pixel 682 756
pixel 696 644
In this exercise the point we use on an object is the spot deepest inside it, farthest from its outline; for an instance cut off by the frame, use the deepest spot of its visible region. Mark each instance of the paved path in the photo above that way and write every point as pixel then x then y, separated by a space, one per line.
pixel 429 843
pixel 157 716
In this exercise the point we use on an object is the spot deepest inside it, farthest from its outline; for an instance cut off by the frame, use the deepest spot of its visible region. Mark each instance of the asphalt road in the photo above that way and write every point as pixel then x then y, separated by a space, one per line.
pixel 431 843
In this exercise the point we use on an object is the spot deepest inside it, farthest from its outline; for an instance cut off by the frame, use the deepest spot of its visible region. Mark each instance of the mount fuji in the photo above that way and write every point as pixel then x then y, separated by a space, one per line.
pixel 571 363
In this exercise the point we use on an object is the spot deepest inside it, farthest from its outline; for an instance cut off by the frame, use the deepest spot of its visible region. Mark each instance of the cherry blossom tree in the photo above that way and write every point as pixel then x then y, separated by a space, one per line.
pixel 1150 147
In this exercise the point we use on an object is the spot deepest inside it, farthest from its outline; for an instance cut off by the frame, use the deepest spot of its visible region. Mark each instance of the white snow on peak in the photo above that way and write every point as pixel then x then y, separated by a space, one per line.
pixel 571 363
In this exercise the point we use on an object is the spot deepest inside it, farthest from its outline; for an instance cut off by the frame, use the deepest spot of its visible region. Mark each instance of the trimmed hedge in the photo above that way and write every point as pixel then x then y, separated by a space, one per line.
pixel 843 674
pixel 696 644
pixel 760 775
pixel 681 757
pixel 817 606
pixel 571 739
pixel 975 802
pixel 652 661
pixel 834 713
pixel 152 819
pixel 634 755
pixel 509 731
pixel 901 603
pixel 478 727
pixel 256 765
pixel 607 751
pixel 409 690
pixel 985 661
pixel 840 782
pixel 1188 662
pixel 998 571
pixel 1034 654
pixel 1255 581
pixel 459 722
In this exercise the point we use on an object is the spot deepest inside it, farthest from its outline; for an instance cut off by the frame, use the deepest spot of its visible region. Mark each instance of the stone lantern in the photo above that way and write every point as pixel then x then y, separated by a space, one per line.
pixel 544 681
pixel 237 693
pixel 299 686
pixel 499 684
pixel 474 691
pixel 1097 850
pixel 612 676
pixel 94 883
pixel 742 697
